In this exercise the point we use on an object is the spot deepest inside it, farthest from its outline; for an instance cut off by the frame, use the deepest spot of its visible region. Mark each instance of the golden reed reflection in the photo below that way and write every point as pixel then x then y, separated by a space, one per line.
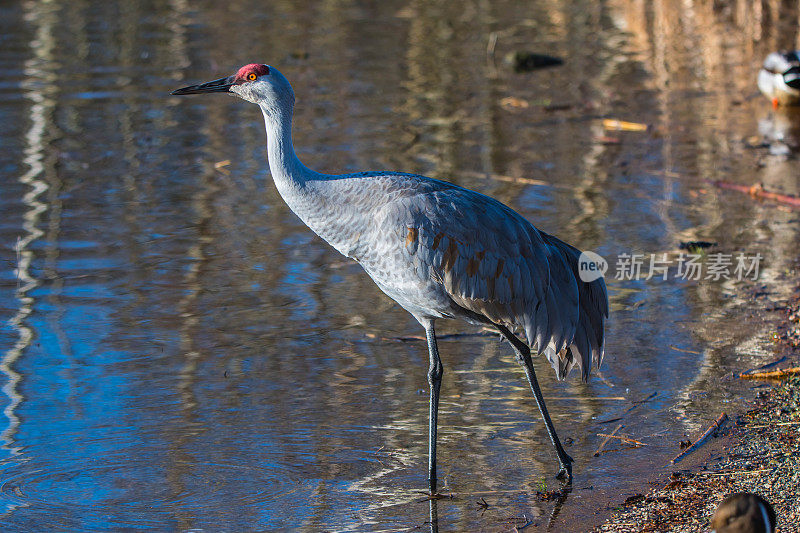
pixel 716 48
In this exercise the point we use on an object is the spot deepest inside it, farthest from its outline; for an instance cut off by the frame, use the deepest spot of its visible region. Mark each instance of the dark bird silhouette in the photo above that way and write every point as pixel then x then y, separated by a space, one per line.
pixel 744 513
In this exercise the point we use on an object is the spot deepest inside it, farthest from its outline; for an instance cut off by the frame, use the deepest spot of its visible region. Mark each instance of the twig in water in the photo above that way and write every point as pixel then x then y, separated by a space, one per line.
pixel 220 166
pixel 437 496
pixel 704 437
pixel 623 439
pixel 775 424
pixel 490 47
pixel 610 450
pixel 684 350
pixel 757 191
pixel 605 440
pixel 766 366
pixel 602 378
pixel 621 125
pixel 636 404
pixel 509 179
pixel 483 505
pixel 773 374
pixel 492 44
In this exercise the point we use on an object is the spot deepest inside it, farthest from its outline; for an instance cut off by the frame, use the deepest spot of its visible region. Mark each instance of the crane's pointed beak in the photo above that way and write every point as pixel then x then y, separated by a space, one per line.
pixel 221 85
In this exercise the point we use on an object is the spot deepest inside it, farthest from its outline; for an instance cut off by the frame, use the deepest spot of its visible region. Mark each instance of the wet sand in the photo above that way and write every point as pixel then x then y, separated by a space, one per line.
pixel 757 450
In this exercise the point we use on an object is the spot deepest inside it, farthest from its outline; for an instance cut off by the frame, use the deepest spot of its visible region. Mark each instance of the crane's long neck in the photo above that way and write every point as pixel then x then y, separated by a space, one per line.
pixel 323 202
pixel 290 175
pixel 305 192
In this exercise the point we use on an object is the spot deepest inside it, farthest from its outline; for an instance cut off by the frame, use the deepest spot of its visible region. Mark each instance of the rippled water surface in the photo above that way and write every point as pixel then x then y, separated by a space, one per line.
pixel 180 353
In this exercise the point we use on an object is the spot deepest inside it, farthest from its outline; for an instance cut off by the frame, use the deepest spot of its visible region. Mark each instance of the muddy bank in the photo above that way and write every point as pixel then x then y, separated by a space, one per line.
pixel 758 450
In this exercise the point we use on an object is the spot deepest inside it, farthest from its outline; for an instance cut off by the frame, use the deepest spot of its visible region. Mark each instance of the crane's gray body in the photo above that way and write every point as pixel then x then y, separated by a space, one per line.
pixel 442 251
pixel 438 250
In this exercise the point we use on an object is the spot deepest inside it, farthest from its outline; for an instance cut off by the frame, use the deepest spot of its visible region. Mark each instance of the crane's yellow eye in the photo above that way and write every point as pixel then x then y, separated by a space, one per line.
pixel 252 76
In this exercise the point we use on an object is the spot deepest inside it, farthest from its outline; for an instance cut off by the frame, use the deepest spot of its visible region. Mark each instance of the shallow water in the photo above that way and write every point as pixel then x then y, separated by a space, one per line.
pixel 180 353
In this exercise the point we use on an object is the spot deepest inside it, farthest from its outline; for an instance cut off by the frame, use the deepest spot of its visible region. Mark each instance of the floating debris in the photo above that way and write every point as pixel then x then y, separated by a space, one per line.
pixel 627 440
pixel 757 191
pixel 621 125
pixel 695 246
pixel 772 374
pixel 712 430
pixel 514 103
pixel 607 438
pixel 522 61
pixel 219 166
pixel 605 139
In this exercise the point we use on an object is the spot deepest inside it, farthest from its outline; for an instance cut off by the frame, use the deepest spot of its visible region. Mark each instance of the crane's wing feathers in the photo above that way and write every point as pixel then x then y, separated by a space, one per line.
pixel 495 264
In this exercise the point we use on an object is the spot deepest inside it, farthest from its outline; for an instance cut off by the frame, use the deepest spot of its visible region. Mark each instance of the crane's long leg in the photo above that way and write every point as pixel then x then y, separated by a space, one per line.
pixel 524 356
pixel 434 515
pixel 435 371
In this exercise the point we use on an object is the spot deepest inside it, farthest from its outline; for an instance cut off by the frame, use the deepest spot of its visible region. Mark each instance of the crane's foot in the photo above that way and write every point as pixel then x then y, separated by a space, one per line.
pixel 437 496
pixel 565 472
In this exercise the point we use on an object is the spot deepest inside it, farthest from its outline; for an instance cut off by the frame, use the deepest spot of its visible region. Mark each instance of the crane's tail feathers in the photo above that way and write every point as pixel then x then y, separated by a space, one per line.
pixel 552 325
pixel 563 299
pixel 581 339
pixel 583 352
pixel 562 362
pixel 589 342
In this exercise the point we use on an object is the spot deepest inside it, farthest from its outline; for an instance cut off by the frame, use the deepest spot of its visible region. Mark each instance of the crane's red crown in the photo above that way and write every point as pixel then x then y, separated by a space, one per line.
pixel 251 72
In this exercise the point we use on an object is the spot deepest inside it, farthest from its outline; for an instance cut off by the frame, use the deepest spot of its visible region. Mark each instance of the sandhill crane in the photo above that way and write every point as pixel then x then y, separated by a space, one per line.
pixel 438 250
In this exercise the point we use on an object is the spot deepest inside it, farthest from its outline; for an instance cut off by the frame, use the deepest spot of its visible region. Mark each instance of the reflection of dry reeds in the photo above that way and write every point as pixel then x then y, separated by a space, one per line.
pixel 707 46
pixel 703 58
pixel 719 33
